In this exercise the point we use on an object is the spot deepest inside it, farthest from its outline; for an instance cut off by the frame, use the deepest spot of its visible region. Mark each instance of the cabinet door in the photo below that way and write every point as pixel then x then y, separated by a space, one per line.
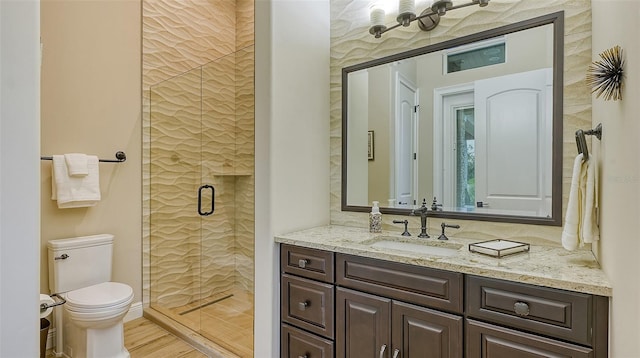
pixel 419 332
pixel 488 341
pixel 363 325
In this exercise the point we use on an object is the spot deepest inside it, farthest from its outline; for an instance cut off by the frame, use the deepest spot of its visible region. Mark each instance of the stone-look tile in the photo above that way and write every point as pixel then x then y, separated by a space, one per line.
pixel 198 127
pixel 351 44
pixel 544 265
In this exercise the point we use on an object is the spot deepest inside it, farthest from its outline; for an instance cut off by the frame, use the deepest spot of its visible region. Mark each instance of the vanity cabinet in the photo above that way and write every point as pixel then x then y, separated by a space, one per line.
pixel 373 326
pixel 387 309
pixel 523 320
pixel 307 303
pixel 346 306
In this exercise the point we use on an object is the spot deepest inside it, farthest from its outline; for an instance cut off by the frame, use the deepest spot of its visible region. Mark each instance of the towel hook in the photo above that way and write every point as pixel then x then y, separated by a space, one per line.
pixel 581 142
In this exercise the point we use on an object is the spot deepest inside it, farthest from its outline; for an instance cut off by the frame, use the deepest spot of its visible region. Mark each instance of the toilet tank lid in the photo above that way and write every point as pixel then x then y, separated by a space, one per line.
pixel 82 241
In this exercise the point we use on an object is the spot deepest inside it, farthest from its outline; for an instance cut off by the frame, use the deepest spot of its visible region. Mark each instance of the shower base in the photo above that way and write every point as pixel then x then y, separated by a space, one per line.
pixel 219 326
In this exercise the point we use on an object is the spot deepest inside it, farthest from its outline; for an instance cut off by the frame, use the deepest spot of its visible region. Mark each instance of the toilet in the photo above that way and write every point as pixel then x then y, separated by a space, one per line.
pixel 92 318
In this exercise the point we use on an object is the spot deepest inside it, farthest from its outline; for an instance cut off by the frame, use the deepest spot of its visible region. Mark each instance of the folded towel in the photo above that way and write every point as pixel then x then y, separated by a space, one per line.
pixel 75 192
pixel 77 164
pixel 580 225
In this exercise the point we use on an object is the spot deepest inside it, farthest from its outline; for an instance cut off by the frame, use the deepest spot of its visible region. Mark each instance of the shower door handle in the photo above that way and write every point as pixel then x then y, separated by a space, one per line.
pixel 213 195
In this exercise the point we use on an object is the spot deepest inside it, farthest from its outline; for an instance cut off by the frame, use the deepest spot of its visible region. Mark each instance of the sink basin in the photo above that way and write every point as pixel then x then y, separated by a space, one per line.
pixel 415 246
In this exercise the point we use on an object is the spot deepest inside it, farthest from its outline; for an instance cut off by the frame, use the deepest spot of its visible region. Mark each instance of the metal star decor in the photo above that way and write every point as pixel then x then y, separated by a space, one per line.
pixel 605 76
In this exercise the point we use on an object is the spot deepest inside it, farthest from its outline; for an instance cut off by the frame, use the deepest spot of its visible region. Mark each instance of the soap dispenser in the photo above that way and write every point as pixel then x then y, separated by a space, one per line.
pixel 375 218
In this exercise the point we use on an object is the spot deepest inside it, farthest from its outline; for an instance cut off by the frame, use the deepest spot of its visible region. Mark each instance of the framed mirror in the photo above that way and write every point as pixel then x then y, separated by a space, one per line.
pixel 471 126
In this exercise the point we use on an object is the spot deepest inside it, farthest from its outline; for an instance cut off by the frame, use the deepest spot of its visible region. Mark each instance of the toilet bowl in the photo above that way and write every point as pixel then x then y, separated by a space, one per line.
pixel 92 317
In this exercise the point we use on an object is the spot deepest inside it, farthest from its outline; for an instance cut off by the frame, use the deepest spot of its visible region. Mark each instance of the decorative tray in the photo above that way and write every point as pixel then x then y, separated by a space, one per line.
pixel 498 248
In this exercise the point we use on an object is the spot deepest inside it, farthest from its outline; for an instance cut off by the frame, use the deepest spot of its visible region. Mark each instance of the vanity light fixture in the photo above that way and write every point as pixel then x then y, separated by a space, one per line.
pixel 427 20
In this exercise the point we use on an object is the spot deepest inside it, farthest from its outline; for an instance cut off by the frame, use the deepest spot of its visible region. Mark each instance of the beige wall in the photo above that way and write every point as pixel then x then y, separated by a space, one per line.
pixel 616 23
pixel 90 98
pixel 351 43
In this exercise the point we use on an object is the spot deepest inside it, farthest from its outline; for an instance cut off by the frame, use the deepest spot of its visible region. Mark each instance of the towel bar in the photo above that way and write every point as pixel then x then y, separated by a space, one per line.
pixel 120 157
pixel 581 143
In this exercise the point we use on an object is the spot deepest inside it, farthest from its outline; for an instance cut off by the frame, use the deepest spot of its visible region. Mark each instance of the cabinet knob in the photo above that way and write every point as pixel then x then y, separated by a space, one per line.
pixel 302 263
pixel 395 353
pixel 303 305
pixel 521 308
pixel 382 349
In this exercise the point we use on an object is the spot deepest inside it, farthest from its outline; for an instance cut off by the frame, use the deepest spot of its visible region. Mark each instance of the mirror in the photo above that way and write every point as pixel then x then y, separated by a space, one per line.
pixel 471 126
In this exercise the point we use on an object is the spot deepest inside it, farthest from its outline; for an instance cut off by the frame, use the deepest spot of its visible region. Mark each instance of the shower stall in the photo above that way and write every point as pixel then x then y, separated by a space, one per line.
pixel 201 195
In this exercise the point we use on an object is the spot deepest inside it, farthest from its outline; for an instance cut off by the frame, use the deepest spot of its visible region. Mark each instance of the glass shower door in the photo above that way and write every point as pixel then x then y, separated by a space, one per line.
pixel 175 176
pixel 202 200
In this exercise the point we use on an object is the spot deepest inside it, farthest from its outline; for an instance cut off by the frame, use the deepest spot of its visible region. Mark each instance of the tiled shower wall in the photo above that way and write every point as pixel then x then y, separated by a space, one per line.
pixel 351 44
pixel 198 93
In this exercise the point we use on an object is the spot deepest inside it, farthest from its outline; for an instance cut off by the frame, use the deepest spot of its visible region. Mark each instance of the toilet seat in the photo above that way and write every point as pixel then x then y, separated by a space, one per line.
pixel 106 295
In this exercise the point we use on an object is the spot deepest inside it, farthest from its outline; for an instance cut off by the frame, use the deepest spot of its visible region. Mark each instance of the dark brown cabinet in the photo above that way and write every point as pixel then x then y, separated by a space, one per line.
pixel 422 332
pixel 489 341
pixel 306 303
pixel 296 343
pixel 346 306
pixel 363 326
pixel 372 326
pixel 394 310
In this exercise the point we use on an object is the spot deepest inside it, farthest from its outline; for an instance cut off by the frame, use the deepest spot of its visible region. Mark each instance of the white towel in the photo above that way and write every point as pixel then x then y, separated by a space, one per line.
pixel 590 231
pixel 77 164
pixel 75 192
pixel 580 219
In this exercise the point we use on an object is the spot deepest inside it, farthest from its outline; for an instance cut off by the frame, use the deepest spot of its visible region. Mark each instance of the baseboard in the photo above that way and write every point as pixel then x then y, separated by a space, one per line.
pixel 135 311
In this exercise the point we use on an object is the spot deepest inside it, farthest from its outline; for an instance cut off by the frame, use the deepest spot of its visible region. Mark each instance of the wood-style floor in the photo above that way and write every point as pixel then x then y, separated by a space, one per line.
pixel 225 318
pixel 145 339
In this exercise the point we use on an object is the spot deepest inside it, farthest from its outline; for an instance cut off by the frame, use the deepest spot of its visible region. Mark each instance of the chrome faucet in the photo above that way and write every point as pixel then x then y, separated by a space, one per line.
pixel 422 211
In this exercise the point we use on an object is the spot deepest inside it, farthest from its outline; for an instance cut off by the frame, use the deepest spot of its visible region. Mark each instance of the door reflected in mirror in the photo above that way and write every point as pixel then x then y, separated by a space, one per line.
pixel 472 125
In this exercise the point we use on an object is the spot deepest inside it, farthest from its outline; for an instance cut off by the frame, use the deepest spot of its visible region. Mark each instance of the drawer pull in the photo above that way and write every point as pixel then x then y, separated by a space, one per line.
pixel 395 353
pixel 382 349
pixel 302 263
pixel 303 305
pixel 521 308
pixel 304 356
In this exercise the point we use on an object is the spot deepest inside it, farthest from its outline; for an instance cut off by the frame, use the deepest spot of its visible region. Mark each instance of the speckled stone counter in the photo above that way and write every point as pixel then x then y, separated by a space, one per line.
pixel 542 265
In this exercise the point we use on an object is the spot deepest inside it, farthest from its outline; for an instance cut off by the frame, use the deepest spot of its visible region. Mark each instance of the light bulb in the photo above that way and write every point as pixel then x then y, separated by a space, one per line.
pixel 377 16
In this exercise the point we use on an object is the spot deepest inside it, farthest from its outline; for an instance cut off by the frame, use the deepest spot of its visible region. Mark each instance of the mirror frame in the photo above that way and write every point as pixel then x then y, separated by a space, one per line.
pixel 557 20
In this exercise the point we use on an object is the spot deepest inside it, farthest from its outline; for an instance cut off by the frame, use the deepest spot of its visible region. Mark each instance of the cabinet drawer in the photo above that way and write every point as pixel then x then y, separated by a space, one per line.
pixel 414 284
pixel 296 343
pixel 484 340
pixel 308 304
pixel 310 263
pixel 562 314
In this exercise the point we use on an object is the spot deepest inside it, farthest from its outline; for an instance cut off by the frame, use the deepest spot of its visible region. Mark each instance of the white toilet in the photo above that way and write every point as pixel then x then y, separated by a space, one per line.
pixel 92 317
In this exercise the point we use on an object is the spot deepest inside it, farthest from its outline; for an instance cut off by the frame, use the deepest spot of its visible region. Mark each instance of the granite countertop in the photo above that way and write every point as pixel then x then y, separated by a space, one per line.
pixel 543 265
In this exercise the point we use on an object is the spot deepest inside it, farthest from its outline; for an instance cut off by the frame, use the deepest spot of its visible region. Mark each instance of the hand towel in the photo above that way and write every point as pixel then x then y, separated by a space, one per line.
pixel 570 232
pixel 75 192
pixel 590 231
pixel 580 225
pixel 76 164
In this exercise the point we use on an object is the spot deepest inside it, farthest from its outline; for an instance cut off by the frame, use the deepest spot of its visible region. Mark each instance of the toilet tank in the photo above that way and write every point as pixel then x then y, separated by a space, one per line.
pixel 82 262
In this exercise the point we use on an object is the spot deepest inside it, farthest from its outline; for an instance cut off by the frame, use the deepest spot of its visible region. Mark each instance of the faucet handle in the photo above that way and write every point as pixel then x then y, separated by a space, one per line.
pixel 444 225
pixel 434 205
pixel 405 222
